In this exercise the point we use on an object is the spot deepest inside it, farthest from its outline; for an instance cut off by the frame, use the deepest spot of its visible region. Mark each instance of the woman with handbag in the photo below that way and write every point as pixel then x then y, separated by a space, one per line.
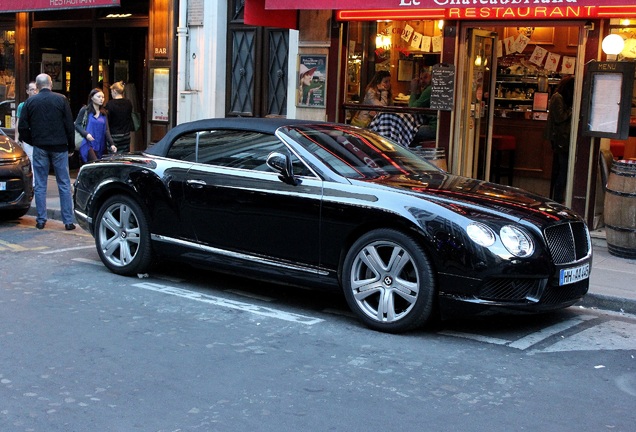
pixel 92 124
pixel 120 111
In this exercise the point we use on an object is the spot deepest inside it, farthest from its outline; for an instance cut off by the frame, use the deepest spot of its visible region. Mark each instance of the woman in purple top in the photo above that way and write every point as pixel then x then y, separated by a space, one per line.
pixel 92 124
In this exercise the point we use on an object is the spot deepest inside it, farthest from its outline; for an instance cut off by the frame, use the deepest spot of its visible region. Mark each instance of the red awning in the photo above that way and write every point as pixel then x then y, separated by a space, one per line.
pixel 436 4
pixel 52 5
pixel 255 14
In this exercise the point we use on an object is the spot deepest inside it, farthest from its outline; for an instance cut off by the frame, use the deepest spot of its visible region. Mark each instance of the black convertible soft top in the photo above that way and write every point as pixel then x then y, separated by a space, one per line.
pixel 256 124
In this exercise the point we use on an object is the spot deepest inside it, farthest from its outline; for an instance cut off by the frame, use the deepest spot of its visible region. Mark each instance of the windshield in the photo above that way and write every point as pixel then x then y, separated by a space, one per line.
pixel 356 153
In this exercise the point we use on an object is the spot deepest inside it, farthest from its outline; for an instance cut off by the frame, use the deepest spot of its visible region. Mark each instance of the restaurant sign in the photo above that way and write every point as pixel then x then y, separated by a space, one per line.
pixel 465 9
pixel 52 5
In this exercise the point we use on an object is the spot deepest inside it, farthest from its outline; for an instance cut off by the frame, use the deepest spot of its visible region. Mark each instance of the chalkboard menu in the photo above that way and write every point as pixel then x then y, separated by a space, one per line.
pixel 443 90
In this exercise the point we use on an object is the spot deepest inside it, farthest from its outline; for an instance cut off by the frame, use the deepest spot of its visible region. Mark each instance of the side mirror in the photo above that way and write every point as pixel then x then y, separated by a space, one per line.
pixel 281 164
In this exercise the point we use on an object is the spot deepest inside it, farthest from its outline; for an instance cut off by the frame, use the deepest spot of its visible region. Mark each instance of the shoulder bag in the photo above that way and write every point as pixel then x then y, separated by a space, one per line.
pixel 136 120
pixel 78 136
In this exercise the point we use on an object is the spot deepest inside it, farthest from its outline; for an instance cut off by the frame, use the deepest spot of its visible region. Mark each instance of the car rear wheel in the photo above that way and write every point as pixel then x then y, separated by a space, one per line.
pixel 122 236
pixel 388 281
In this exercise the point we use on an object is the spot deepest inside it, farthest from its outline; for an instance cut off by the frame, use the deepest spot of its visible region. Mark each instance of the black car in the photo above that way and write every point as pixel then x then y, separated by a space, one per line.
pixel 326 204
pixel 16 179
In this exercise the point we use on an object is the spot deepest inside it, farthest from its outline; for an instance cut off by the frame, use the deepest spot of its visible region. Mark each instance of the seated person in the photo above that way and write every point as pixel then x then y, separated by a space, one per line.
pixel 378 92
pixel 421 98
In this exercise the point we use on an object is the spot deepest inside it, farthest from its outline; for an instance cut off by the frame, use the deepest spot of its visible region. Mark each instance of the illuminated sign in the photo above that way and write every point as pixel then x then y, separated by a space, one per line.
pixel 52 5
pixel 437 4
pixel 489 13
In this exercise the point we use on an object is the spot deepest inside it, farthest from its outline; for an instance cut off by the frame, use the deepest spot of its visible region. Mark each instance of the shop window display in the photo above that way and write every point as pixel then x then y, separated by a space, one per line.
pixel 403 48
pixel 7 77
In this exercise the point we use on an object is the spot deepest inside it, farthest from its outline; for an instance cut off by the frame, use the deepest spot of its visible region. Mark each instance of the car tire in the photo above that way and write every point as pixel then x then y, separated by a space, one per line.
pixel 122 236
pixel 388 281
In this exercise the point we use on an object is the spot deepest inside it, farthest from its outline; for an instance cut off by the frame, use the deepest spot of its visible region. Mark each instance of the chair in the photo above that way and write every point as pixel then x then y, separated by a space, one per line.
pixel 501 145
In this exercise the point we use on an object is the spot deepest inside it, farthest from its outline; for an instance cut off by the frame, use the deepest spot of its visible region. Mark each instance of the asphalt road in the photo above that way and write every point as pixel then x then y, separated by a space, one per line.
pixel 82 349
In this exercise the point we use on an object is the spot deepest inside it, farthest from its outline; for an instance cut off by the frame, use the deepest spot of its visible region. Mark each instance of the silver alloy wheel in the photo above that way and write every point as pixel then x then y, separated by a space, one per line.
pixel 119 234
pixel 384 281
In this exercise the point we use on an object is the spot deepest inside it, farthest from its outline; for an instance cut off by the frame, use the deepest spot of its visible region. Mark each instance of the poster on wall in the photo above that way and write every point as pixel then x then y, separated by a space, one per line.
pixel 160 90
pixel 52 65
pixel 312 81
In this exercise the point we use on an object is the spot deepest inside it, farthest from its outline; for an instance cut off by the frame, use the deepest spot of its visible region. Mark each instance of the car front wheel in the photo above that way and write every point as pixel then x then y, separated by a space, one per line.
pixel 388 281
pixel 122 236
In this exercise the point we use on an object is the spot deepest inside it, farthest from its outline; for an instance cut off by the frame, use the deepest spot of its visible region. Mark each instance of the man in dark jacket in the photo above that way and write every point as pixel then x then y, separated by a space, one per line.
pixel 46 122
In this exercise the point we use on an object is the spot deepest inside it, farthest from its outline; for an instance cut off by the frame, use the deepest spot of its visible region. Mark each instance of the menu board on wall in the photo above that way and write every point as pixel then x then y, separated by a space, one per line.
pixel 606 108
pixel 443 87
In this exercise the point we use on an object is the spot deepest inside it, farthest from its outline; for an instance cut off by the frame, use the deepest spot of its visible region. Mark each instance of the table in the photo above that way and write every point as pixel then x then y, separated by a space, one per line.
pixel 398 127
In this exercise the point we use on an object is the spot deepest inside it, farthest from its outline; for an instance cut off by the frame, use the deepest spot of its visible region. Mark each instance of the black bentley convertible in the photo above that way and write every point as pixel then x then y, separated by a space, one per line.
pixel 325 204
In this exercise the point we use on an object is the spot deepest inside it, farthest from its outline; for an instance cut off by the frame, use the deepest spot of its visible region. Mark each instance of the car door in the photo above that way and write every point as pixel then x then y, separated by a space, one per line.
pixel 236 203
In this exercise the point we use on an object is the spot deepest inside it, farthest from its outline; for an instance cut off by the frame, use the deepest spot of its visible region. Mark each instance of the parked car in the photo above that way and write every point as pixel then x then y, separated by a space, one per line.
pixel 16 179
pixel 325 204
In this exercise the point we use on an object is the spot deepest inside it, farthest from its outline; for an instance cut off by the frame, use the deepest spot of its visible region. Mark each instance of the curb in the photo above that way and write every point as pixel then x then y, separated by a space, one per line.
pixel 608 303
pixel 51 214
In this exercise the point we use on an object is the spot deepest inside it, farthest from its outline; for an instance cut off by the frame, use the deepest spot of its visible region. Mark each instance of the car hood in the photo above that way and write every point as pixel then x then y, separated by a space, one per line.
pixel 9 149
pixel 467 195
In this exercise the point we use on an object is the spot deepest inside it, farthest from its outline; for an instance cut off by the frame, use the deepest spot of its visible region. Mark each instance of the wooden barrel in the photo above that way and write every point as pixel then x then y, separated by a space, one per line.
pixel 620 209
pixel 437 156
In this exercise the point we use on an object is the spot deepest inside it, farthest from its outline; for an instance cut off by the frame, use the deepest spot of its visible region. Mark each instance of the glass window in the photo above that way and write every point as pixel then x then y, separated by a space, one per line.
pixel 358 154
pixel 404 48
pixel 233 149
pixel 7 74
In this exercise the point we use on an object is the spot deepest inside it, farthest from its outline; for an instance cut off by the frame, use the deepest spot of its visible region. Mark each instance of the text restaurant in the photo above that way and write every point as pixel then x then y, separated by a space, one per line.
pixel 491 68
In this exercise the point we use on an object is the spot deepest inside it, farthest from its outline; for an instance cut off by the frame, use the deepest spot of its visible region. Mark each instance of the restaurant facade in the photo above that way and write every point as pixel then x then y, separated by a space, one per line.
pixel 495 63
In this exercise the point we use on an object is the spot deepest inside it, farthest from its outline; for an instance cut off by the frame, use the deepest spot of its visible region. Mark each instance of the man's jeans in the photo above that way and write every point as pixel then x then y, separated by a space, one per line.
pixel 42 159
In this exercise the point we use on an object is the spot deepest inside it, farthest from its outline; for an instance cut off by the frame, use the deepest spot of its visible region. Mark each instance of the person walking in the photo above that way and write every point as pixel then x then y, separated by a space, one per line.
pixel 31 90
pixel 119 111
pixel 557 131
pixel 46 122
pixel 92 124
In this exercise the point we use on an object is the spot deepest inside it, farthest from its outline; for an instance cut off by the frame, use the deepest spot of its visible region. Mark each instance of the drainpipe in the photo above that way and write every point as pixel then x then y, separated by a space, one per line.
pixel 185 101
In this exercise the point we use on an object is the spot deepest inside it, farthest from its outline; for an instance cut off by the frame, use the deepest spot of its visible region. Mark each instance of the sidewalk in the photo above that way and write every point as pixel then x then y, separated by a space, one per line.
pixel 612 281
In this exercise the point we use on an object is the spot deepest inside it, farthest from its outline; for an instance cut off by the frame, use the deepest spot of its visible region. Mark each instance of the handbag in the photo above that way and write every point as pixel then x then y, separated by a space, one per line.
pixel 136 120
pixel 78 136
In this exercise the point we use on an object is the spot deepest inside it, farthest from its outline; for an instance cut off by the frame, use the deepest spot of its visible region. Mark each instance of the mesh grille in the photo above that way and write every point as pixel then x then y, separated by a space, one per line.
pixel 508 289
pixel 564 294
pixel 567 242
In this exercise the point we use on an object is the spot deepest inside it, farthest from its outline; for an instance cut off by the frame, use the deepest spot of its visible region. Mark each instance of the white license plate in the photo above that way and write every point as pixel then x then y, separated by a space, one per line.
pixel 574 274
pixel 3 186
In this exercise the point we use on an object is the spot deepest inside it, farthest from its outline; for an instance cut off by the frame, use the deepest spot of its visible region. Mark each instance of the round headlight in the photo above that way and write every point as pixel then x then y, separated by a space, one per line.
pixel 481 234
pixel 516 241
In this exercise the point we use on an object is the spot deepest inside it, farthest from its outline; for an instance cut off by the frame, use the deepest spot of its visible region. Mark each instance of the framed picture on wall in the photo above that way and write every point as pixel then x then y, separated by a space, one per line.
pixel 405 70
pixel 52 65
pixel 312 81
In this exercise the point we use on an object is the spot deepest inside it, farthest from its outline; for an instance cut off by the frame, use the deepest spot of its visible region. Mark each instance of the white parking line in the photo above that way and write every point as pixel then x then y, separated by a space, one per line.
pixel 67 249
pixel 232 304
pixel 526 341
pixel 536 337
pixel 88 261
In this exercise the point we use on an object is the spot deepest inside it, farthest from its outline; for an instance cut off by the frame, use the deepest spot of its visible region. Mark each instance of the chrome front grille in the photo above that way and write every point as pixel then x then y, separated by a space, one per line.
pixel 568 242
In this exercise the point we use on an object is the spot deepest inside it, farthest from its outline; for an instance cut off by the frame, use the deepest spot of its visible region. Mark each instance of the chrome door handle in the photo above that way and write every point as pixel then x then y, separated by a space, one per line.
pixel 195 183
